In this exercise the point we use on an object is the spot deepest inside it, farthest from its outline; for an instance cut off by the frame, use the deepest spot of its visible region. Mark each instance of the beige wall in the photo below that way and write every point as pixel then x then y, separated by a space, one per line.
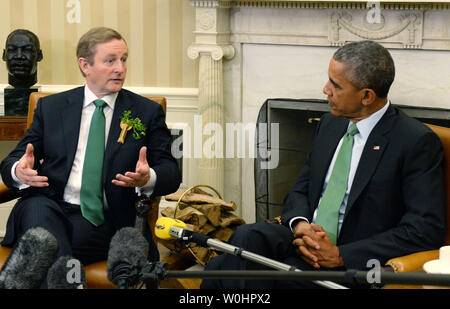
pixel 158 33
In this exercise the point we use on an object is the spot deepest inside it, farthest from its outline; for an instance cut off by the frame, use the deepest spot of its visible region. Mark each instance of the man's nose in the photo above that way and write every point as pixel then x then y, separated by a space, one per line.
pixel 120 67
pixel 19 53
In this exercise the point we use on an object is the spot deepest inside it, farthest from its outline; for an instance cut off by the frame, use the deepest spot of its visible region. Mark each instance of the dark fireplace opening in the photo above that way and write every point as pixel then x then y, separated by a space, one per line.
pixel 297 119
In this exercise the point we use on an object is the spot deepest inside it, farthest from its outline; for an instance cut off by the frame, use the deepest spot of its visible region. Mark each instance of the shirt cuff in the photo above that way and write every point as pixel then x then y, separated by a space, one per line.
pixel 17 182
pixel 149 186
pixel 294 219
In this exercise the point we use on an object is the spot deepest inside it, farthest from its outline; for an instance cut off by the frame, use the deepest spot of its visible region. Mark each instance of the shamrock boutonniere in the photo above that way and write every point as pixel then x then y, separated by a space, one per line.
pixel 126 124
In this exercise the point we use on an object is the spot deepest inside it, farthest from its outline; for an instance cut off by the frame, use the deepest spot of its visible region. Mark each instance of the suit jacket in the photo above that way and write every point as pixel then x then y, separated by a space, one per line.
pixel 54 135
pixel 396 205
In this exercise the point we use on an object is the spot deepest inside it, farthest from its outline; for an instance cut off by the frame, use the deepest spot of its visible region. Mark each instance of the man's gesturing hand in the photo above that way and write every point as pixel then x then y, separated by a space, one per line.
pixel 25 172
pixel 140 177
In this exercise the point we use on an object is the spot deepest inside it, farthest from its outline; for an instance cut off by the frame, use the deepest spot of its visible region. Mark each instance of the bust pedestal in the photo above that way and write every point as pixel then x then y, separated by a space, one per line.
pixel 16 100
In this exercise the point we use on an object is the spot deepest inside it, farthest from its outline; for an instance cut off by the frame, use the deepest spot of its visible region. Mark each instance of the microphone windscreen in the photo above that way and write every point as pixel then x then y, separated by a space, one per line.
pixel 163 225
pixel 66 273
pixel 29 261
pixel 128 250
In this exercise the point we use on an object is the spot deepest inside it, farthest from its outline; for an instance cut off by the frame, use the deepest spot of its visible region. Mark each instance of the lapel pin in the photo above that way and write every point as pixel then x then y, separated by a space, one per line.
pixel 376 148
pixel 125 128
pixel 126 124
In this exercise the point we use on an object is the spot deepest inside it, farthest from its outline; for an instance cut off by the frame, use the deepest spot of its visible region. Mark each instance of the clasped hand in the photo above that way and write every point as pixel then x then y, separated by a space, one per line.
pixel 315 247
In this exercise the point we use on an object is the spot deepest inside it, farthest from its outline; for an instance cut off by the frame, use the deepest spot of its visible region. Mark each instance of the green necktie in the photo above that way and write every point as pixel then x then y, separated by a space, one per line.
pixel 91 184
pixel 328 211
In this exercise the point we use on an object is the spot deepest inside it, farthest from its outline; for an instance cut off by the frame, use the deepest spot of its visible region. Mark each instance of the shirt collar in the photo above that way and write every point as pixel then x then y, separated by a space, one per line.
pixel 90 97
pixel 366 125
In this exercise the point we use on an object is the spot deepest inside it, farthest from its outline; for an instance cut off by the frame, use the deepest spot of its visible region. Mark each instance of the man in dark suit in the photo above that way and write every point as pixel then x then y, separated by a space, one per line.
pixel 77 180
pixel 371 188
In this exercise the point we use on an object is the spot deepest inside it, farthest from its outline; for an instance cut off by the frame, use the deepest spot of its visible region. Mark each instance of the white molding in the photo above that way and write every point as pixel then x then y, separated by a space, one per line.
pixel 156 91
pixel 178 99
pixel 410 26
pixel 321 4
pixel 217 51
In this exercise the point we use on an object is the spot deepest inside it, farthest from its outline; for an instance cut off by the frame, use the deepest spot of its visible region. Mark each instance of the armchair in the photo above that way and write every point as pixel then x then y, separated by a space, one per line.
pixel 415 261
pixel 95 273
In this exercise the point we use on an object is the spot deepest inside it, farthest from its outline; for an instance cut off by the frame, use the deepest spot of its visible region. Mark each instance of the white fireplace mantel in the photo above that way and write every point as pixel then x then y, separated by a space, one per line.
pixel 254 50
pixel 318 4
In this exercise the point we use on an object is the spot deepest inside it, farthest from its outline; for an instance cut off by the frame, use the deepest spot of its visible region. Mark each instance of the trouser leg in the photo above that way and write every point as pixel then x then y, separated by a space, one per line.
pixel 266 239
pixel 43 212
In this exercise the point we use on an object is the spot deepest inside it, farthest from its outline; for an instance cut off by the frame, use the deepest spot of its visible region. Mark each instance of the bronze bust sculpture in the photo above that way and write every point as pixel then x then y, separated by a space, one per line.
pixel 22 53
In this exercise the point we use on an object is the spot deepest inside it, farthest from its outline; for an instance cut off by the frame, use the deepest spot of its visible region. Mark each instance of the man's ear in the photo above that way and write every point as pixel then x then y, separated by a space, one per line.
pixel 40 56
pixel 84 65
pixel 4 55
pixel 368 96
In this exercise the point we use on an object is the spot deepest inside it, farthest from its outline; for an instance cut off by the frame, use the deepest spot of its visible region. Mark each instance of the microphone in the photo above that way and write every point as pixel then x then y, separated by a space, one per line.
pixel 27 265
pixel 66 273
pixel 127 255
pixel 164 225
pixel 169 228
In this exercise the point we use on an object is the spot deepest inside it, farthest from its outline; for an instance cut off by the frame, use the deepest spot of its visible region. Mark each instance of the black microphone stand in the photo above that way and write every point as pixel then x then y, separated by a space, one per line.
pixel 154 272
pixel 206 241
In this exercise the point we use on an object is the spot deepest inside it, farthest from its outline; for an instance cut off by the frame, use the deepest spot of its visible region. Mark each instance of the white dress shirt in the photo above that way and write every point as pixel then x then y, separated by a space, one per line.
pixel 73 187
pixel 365 127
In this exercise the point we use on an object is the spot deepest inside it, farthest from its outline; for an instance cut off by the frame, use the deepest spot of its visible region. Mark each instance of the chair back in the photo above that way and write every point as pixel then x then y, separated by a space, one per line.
pixel 35 96
pixel 444 136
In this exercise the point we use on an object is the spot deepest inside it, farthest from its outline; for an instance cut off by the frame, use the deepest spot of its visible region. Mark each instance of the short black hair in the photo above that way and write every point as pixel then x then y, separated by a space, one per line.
pixel 35 38
pixel 370 66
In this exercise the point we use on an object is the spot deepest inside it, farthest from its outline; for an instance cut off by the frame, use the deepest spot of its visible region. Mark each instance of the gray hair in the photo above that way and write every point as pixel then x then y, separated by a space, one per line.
pixel 370 66
pixel 87 46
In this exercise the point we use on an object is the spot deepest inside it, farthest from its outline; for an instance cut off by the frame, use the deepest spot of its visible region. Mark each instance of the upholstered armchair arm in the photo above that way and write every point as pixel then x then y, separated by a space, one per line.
pixel 5 194
pixel 413 261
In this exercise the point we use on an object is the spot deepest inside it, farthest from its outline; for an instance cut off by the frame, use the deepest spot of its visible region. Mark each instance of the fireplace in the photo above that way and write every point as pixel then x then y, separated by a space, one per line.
pixel 297 121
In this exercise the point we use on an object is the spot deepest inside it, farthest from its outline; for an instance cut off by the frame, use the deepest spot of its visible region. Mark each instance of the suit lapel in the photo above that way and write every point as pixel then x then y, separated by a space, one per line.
pixel 372 153
pixel 70 116
pixel 112 146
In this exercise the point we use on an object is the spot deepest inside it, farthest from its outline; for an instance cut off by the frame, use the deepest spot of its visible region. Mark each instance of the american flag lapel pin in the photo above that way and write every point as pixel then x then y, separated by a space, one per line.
pixel 376 148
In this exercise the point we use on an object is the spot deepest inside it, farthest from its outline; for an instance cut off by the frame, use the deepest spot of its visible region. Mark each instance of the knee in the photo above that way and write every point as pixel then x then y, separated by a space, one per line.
pixel 35 207
pixel 259 233
pixel 242 233
pixel 249 233
pixel 38 211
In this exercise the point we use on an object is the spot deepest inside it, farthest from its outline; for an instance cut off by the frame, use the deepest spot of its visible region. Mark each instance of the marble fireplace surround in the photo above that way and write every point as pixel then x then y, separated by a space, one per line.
pixel 250 51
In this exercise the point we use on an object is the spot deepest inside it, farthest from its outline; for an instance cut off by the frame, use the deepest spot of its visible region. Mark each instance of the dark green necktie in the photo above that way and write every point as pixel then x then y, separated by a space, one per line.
pixel 91 194
pixel 328 211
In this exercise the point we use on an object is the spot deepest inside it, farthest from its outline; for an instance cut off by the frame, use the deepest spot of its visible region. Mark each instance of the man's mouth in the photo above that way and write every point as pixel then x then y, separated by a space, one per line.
pixel 19 65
